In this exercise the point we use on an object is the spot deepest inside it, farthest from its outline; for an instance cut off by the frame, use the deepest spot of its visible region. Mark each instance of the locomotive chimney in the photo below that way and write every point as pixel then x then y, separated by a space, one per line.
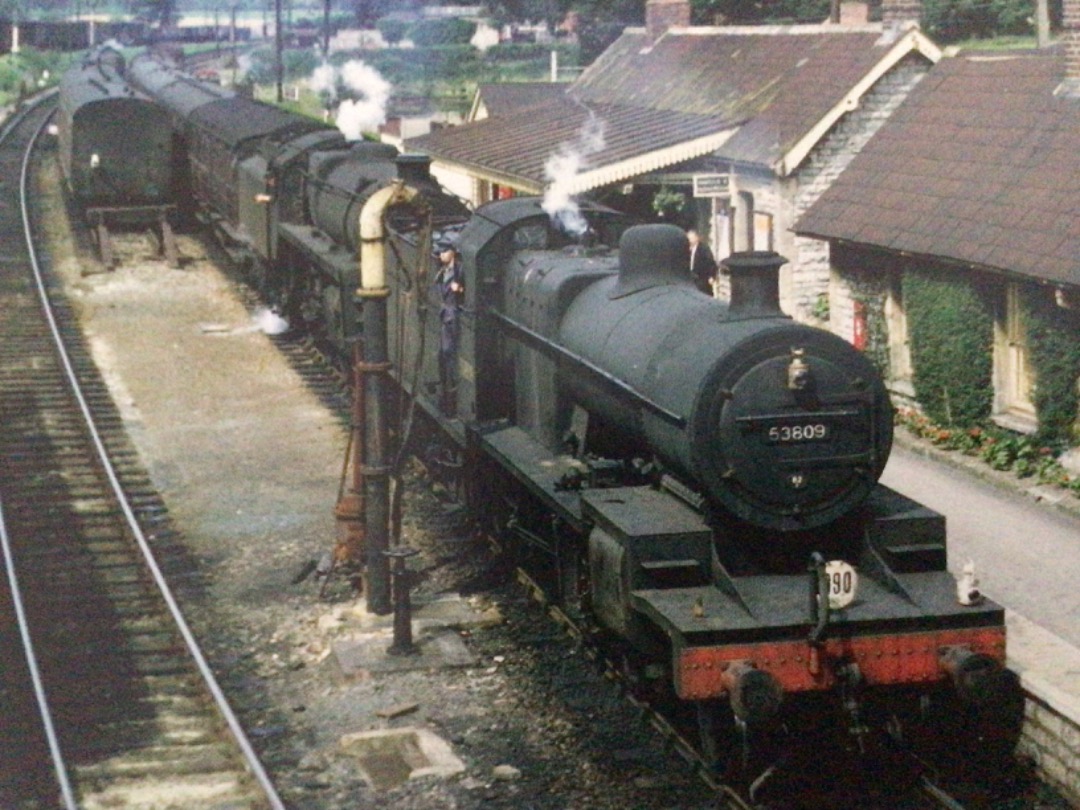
pixel 414 169
pixel 652 256
pixel 755 283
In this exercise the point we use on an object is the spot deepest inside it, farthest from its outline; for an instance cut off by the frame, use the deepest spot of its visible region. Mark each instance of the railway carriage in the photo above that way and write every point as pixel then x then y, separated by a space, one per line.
pixel 116 149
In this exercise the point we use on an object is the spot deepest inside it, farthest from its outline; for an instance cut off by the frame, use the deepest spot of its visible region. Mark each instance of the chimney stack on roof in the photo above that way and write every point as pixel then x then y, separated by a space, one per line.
pixel 660 15
pixel 900 14
pixel 854 12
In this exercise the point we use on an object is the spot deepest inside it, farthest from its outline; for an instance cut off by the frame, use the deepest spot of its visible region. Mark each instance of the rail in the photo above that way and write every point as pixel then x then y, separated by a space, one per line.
pixel 228 716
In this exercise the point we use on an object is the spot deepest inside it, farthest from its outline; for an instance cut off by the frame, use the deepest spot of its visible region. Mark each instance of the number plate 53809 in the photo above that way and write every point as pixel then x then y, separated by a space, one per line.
pixel 789 434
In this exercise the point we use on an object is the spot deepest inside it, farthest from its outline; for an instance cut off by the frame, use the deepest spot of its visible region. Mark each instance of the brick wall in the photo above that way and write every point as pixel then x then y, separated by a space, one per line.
pixel 810 258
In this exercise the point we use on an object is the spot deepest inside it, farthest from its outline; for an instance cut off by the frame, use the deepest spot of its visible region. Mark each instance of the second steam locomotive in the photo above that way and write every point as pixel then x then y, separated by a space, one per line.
pixel 698 479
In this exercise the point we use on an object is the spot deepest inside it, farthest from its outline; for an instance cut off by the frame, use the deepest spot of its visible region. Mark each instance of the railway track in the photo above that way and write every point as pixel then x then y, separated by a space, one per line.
pixel 105 697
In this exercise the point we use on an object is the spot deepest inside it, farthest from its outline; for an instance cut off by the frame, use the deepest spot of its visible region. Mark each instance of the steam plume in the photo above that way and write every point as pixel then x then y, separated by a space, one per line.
pixel 354 115
pixel 562 167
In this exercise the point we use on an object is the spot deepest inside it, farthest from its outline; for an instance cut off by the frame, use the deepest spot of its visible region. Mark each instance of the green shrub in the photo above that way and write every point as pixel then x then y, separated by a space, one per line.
pixel 449 31
pixel 950 320
pixel 955 20
pixel 392 30
pixel 1053 336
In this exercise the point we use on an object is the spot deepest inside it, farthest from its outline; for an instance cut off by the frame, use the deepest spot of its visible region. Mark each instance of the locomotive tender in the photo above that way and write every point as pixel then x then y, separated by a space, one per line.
pixel 698 478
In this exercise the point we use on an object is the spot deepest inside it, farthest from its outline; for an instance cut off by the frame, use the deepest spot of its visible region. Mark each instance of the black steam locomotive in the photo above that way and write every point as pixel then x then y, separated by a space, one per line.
pixel 697 478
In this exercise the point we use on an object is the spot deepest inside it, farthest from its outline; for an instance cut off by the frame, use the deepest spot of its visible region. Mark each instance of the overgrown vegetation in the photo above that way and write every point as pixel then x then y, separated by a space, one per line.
pixel 951 324
pixel 951 21
pixel 1053 335
pixel 1025 456
pixel 30 71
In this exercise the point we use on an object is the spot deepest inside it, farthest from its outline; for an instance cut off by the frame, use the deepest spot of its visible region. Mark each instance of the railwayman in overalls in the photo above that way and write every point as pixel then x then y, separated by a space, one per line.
pixel 451 287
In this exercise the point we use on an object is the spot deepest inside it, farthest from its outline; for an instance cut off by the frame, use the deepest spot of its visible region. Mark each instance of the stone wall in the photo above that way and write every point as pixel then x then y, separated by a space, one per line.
pixel 824 164
pixel 1052 741
pixel 1049 670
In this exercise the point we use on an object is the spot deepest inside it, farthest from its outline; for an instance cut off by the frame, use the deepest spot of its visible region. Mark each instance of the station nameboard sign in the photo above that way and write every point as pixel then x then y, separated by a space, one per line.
pixel 712 185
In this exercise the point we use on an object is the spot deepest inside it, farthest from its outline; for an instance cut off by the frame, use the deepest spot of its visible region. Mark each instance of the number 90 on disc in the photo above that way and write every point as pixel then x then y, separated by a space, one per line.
pixel 843 583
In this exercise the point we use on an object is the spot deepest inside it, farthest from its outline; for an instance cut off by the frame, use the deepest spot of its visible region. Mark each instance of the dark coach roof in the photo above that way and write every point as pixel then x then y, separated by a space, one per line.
pixel 238 119
pixel 981 165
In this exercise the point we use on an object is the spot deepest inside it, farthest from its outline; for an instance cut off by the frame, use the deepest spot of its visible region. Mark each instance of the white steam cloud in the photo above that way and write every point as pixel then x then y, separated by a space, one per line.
pixel 244 65
pixel 269 322
pixel 562 167
pixel 484 38
pixel 369 93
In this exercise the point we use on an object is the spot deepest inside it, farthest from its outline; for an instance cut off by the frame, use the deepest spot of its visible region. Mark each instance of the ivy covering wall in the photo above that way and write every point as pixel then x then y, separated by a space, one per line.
pixel 950 324
pixel 951 330
pixel 1053 335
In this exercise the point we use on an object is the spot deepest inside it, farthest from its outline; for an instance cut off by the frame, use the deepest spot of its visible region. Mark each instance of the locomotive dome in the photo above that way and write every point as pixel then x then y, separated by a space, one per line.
pixel 651 256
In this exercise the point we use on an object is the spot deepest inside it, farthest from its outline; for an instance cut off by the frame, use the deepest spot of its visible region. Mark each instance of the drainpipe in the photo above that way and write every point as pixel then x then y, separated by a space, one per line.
pixel 375 467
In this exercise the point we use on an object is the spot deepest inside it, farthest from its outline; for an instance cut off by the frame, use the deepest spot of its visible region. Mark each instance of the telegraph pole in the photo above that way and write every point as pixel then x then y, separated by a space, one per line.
pixel 279 65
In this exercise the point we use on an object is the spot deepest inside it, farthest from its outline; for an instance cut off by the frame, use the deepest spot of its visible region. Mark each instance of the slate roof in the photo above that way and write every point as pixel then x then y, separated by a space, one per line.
pixel 782 79
pixel 518 147
pixel 775 83
pixel 981 165
pixel 506 98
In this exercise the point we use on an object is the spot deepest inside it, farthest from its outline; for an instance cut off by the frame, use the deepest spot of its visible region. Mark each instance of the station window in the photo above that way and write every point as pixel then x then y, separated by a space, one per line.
pixel 1014 379
pixel 899 343
pixel 763 231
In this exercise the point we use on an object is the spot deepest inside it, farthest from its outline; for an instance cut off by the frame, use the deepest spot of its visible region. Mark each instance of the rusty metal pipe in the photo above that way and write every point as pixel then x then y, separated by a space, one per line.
pixel 371 297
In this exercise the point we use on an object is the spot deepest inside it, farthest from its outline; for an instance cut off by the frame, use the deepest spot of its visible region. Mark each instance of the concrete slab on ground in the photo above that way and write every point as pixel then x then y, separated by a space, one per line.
pixel 368 655
pixel 389 757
